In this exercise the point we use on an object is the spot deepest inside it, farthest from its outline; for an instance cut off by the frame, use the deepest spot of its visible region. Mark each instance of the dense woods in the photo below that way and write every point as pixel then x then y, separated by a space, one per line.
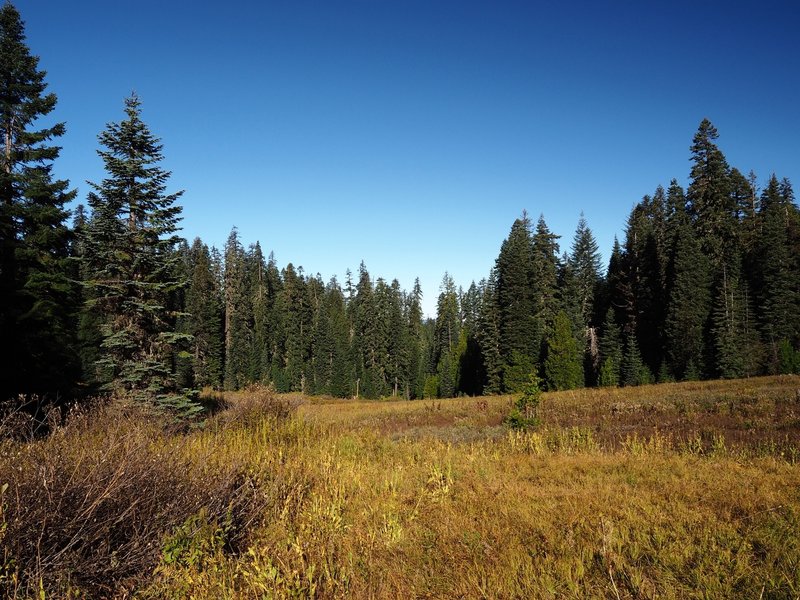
pixel 704 284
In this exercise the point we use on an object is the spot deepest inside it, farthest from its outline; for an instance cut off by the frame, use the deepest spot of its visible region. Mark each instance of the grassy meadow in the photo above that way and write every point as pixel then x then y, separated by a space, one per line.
pixel 685 490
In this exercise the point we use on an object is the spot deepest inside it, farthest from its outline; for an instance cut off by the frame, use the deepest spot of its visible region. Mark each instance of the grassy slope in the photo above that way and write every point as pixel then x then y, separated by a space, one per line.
pixel 676 491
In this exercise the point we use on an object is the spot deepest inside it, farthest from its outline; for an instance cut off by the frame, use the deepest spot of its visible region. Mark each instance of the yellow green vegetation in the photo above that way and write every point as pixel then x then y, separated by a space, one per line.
pixel 676 491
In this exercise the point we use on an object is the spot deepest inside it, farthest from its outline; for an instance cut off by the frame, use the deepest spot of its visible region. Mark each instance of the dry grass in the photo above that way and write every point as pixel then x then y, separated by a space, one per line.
pixel 438 499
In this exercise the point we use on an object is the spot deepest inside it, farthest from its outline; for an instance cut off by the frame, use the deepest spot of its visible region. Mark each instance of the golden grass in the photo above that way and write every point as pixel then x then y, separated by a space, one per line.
pixel 440 500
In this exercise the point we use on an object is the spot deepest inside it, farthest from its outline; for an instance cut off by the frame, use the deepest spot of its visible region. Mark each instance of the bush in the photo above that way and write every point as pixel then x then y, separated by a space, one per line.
pixel 89 507
pixel 525 413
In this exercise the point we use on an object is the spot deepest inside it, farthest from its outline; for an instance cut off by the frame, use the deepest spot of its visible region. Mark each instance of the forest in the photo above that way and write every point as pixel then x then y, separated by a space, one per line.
pixel 705 284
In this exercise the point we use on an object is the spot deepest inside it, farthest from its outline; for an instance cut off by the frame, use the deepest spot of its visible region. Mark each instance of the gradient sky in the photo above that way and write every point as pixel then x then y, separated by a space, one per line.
pixel 410 134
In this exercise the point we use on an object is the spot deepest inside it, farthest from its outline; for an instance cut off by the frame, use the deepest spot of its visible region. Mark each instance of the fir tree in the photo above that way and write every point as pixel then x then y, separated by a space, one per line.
pixel 709 195
pixel 238 314
pixel 610 351
pixel 37 298
pixel 563 366
pixel 517 322
pixel 132 266
pixel 205 307
pixel 585 262
pixel 688 304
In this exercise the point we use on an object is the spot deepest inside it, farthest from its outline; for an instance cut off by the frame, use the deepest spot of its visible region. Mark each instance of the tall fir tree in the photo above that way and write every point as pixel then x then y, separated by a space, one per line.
pixel 37 297
pixel 710 202
pixel 204 305
pixel 517 317
pixel 688 302
pixel 238 314
pixel 563 365
pixel 132 264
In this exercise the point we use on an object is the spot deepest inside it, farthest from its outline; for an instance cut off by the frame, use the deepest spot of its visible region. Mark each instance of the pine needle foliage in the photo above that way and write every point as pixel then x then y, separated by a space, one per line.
pixel 132 266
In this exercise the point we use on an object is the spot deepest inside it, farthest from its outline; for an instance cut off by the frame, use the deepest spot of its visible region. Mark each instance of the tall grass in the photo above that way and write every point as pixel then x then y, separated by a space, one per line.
pixel 425 499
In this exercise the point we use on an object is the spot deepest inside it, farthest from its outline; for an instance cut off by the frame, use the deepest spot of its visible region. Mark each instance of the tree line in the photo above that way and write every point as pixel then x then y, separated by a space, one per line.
pixel 705 284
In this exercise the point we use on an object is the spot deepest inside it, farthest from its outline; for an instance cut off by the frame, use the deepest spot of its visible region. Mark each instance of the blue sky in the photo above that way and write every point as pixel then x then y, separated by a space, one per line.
pixel 411 134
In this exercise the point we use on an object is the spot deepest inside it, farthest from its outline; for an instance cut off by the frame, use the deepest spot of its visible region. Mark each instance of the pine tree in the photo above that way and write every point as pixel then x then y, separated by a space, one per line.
pixel 515 301
pixel 563 365
pixel 585 262
pixel 472 372
pixel 544 282
pixel 131 264
pixel 778 269
pixel 37 298
pixel 238 314
pixel 736 343
pixel 709 194
pixel 610 351
pixel 688 304
pixel 205 307
pixel 488 336
pixel 448 334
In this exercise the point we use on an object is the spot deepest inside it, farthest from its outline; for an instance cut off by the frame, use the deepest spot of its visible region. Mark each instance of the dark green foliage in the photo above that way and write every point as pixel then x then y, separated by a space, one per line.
pixel 204 304
pixel 132 267
pixel 471 369
pixel 633 371
pixel 517 319
pixel 610 351
pixel 736 343
pixel 488 336
pixel 519 372
pixel 525 413
pixel 688 301
pixel 777 268
pixel 238 314
pixel 37 296
pixel 563 365
pixel 711 205
pixel 585 263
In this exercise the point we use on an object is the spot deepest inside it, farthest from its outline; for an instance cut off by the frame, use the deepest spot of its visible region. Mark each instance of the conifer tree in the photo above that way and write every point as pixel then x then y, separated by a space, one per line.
pixel 585 263
pixel 37 298
pixel 205 308
pixel 544 280
pixel 131 264
pixel 778 269
pixel 688 302
pixel 517 315
pixel 610 351
pixel 488 336
pixel 563 365
pixel 238 314
pixel 709 195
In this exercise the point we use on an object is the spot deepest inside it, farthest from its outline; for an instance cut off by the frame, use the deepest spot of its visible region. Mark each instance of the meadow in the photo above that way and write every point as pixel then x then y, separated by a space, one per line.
pixel 687 490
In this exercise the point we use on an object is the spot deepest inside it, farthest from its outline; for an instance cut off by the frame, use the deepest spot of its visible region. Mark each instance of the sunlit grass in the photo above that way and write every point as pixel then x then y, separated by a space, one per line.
pixel 440 499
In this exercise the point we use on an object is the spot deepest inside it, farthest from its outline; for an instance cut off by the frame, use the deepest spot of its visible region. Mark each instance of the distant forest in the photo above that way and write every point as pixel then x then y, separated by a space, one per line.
pixel 705 284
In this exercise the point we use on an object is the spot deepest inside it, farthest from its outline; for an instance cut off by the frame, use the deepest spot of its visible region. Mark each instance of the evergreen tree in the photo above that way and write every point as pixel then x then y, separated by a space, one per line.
pixel 416 344
pixel 710 202
pixel 131 263
pixel 585 263
pixel 688 302
pixel 735 339
pixel 238 314
pixel 517 316
pixel 205 307
pixel 633 371
pixel 544 282
pixel 37 298
pixel 778 269
pixel 472 372
pixel 563 366
pixel 610 351
pixel 448 334
pixel 488 336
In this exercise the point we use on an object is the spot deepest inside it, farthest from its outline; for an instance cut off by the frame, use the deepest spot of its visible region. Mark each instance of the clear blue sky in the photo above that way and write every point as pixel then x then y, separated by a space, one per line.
pixel 411 134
